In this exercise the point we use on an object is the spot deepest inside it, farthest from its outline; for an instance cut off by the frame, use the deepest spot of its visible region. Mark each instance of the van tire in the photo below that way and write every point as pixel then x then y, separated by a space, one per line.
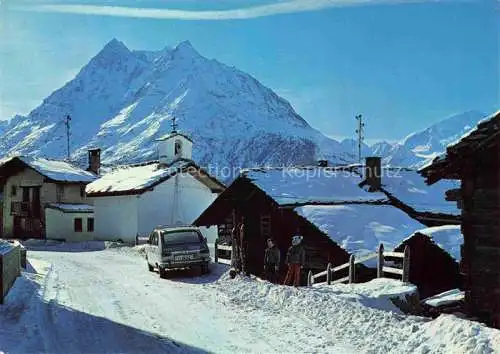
pixel 205 269
pixel 162 273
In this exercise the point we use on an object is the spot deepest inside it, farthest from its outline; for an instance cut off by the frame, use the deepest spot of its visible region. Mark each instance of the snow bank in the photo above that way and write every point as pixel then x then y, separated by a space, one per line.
pixel 311 184
pixel 361 315
pixel 360 228
pixel 445 298
pixel 411 189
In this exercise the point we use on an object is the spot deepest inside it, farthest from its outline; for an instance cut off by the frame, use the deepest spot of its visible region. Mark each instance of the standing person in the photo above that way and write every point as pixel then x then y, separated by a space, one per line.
pixel 272 261
pixel 235 249
pixel 243 247
pixel 295 260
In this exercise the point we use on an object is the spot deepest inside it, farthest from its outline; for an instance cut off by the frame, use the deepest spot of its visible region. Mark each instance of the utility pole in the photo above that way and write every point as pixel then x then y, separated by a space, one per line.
pixel 66 122
pixel 360 131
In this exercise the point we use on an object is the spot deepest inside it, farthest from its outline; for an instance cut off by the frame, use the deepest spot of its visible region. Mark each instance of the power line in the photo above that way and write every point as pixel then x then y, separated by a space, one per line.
pixel 67 122
pixel 360 131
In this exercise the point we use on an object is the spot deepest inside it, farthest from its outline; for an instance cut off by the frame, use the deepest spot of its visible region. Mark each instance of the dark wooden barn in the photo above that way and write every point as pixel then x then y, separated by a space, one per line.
pixel 475 161
pixel 432 269
pixel 268 216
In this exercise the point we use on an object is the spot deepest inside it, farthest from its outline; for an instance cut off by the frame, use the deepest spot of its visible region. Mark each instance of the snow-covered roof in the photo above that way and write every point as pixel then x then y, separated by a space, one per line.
pixel 61 171
pixel 136 179
pixel 410 188
pixel 360 228
pixel 447 237
pixel 72 208
pixel 299 185
pixel 171 135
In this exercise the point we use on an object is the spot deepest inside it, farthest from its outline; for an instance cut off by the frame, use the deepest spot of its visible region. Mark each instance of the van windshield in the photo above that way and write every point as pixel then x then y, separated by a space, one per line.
pixel 179 237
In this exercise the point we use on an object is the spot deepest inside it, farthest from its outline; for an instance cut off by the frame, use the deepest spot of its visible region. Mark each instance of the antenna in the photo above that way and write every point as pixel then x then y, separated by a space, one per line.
pixel 174 124
pixel 67 122
pixel 360 131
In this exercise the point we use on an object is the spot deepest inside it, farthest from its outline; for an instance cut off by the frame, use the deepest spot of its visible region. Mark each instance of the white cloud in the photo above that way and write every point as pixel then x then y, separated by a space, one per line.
pixel 282 7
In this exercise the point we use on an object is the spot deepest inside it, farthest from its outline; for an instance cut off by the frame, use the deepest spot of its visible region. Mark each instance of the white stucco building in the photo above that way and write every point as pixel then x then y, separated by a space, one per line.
pixel 132 200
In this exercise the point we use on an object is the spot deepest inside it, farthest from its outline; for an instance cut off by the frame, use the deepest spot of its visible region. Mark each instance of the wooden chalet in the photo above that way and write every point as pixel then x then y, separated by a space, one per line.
pixel 434 266
pixel 475 161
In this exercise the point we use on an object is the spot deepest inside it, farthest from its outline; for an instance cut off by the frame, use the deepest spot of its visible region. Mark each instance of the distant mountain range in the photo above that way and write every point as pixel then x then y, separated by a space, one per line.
pixel 123 100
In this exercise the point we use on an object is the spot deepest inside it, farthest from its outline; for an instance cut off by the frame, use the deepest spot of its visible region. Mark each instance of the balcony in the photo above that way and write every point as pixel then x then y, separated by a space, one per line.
pixel 25 209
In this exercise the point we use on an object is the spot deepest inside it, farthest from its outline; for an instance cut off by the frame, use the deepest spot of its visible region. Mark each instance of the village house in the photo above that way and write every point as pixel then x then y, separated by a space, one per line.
pixel 474 160
pixel 45 199
pixel 336 217
pixel 132 200
pixel 435 257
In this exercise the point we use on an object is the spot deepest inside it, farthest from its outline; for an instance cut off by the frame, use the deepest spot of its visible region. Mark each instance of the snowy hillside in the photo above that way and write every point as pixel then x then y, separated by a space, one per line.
pixel 418 148
pixel 122 100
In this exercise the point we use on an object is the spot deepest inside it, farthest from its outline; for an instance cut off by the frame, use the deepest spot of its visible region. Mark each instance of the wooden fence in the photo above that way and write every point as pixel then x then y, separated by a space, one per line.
pixel 217 258
pixel 351 265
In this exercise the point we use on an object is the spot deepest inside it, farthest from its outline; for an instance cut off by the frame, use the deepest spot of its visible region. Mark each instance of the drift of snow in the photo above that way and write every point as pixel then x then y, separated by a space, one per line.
pixel 411 189
pixel 448 237
pixel 445 298
pixel 56 170
pixel 297 185
pixel 360 228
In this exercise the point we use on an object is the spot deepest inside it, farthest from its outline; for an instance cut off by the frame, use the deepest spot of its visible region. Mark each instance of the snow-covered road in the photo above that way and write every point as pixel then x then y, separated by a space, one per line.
pixel 105 301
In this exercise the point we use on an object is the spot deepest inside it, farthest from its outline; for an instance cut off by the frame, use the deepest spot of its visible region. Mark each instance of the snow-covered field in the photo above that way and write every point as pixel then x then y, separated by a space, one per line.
pixel 95 299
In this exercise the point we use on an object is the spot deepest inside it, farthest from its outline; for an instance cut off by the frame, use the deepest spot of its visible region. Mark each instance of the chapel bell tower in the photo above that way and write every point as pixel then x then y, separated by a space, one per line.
pixel 174 146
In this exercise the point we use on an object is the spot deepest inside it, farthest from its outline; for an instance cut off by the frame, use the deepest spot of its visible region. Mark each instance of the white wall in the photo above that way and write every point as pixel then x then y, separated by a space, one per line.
pixel 115 218
pixel 157 207
pixel 166 149
pixel 60 225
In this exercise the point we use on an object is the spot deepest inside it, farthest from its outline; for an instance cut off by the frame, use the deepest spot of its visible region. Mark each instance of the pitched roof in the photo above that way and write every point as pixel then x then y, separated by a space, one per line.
pixel 137 179
pixel 60 171
pixel 448 237
pixel 171 135
pixel 480 137
pixel 360 228
pixel 305 185
pixel 71 208
pixel 409 187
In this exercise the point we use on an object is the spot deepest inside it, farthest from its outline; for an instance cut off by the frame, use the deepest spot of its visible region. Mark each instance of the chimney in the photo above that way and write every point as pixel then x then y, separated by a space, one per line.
pixel 94 161
pixel 323 163
pixel 373 173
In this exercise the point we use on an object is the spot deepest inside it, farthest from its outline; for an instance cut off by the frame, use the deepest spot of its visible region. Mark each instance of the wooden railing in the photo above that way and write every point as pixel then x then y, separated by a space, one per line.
pixel 25 209
pixel 381 268
pixel 217 258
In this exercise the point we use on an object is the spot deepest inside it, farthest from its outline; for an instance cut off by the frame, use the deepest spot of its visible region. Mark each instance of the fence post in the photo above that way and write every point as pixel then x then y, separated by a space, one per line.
pixel 406 264
pixel 352 270
pixel 310 279
pixel 329 273
pixel 216 251
pixel 380 261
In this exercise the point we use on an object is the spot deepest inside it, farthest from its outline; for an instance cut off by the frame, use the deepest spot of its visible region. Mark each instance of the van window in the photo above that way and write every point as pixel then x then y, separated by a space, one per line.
pixel 178 237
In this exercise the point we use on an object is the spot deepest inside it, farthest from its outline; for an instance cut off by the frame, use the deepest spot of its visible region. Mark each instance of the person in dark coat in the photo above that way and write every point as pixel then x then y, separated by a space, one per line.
pixel 243 247
pixel 295 260
pixel 272 262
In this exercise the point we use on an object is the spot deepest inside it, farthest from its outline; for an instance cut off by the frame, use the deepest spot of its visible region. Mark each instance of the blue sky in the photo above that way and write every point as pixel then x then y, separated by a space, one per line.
pixel 402 64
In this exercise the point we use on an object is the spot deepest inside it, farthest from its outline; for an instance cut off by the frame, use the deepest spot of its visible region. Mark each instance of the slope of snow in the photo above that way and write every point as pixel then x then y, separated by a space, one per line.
pixel 56 170
pixel 447 237
pixel 123 100
pixel 311 185
pixel 448 297
pixel 411 189
pixel 130 178
pixel 360 228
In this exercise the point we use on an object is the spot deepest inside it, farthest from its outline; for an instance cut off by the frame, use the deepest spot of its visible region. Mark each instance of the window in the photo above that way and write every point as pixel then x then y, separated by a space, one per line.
pixel 13 191
pixel 60 193
pixel 78 225
pixel 178 148
pixel 90 224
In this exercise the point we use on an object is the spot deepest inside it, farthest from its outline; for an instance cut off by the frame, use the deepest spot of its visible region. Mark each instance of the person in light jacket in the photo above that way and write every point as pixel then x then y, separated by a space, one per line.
pixel 272 262
pixel 295 260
